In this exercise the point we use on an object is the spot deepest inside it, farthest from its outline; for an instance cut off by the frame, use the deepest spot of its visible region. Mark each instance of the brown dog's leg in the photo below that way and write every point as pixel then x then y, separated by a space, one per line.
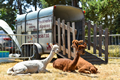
pixel 65 69
pixel 83 70
pixel 93 70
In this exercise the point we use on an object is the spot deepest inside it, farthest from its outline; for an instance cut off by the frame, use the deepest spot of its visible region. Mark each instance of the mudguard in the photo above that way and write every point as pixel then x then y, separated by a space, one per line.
pixel 39 46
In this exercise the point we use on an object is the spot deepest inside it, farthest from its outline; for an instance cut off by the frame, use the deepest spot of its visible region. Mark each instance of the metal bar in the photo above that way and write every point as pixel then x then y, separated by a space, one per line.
pixel 25 26
pixel 89 35
pixel 15 58
pixel 106 45
pixel 94 40
pixel 100 40
pixel 83 29
pixel 54 31
pixel 38 26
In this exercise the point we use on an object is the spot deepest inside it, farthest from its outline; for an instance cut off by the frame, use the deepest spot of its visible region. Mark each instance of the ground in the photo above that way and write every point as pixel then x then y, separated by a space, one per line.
pixel 110 71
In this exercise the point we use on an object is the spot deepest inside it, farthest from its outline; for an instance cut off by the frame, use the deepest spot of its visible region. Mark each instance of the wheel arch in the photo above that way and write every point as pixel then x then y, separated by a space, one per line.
pixel 39 47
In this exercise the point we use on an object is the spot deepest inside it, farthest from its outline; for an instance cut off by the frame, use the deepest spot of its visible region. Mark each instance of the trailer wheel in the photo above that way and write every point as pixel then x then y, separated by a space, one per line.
pixel 34 52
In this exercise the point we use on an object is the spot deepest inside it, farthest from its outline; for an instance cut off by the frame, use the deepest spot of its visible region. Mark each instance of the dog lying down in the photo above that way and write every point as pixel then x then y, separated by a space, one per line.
pixel 33 66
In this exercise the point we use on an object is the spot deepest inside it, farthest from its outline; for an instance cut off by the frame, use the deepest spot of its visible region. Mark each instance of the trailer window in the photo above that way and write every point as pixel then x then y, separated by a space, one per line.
pixel 35 32
pixel 23 32
pixel 48 31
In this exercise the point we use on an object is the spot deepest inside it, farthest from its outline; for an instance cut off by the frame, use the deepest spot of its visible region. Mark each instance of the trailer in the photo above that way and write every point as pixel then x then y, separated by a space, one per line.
pixel 40 24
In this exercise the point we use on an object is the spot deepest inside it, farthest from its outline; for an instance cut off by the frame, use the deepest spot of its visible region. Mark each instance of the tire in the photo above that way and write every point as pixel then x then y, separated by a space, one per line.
pixel 34 52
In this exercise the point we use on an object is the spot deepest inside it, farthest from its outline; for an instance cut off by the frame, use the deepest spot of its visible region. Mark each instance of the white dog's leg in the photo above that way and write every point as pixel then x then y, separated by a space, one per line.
pixel 10 71
pixel 42 71
pixel 46 70
pixel 20 70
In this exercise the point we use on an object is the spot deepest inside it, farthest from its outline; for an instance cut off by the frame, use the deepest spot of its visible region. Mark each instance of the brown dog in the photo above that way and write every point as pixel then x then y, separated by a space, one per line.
pixel 83 65
pixel 67 64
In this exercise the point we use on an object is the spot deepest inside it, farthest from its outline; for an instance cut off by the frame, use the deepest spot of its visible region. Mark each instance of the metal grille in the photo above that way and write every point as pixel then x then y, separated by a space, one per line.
pixel 9 50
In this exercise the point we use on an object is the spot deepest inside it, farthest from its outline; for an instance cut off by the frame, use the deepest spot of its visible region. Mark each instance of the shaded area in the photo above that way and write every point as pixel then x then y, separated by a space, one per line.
pixel 87 56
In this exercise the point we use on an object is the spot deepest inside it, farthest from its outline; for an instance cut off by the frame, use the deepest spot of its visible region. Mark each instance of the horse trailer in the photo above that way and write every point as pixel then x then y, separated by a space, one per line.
pixel 40 24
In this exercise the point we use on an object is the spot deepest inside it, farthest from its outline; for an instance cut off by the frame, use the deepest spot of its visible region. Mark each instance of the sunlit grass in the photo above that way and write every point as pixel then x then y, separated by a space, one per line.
pixel 110 71
pixel 113 50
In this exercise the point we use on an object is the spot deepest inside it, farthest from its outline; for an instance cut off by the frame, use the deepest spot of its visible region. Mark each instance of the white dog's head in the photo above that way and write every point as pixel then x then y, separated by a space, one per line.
pixel 55 48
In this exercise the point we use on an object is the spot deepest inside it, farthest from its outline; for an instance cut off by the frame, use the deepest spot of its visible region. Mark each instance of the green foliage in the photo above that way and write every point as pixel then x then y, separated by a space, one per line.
pixel 44 3
pixel 102 12
pixel 8 14
pixel 8 10
pixel 55 2
pixel 34 3
pixel 117 25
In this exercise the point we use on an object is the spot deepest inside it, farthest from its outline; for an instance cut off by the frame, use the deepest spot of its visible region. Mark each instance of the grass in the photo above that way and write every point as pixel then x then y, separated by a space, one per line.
pixel 113 50
pixel 110 71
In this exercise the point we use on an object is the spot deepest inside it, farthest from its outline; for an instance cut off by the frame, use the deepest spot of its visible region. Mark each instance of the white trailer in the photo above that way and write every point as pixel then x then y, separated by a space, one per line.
pixel 40 25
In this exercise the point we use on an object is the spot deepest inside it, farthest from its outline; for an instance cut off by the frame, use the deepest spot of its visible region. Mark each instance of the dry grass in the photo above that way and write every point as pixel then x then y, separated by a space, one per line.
pixel 110 71
pixel 113 50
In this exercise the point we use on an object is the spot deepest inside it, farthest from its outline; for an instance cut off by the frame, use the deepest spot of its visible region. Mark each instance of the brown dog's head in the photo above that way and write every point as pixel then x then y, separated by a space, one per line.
pixel 75 43
pixel 82 44
pixel 81 48
pixel 79 45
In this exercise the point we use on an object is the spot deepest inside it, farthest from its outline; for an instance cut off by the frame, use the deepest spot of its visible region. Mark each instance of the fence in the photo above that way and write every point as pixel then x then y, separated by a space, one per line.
pixel 113 45
pixel 113 42
pixel 96 42
pixel 62 36
pixel 7 46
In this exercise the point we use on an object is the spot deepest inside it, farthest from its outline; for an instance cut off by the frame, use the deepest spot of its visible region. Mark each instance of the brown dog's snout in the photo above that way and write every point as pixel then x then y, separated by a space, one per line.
pixel 72 45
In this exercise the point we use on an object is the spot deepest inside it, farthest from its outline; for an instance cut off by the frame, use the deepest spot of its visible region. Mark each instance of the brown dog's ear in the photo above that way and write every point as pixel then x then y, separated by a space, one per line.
pixel 81 47
pixel 75 43
pixel 80 41
pixel 84 45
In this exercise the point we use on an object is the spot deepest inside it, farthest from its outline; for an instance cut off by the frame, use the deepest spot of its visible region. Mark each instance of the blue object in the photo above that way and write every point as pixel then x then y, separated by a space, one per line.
pixel 4 54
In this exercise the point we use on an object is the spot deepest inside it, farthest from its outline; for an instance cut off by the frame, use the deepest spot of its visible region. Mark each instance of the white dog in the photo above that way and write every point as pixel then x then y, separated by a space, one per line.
pixel 33 66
